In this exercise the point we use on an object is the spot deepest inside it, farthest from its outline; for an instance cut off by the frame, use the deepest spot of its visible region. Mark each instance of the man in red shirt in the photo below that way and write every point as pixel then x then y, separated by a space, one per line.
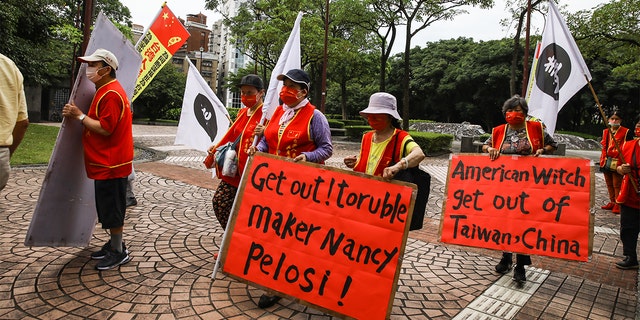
pixel 107 140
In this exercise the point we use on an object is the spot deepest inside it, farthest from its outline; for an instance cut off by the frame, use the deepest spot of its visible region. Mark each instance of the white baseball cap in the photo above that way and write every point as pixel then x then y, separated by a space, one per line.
pixel 101 55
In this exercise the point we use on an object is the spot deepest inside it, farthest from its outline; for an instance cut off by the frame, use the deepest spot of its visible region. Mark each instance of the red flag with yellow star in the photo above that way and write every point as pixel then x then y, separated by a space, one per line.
pixel 165 36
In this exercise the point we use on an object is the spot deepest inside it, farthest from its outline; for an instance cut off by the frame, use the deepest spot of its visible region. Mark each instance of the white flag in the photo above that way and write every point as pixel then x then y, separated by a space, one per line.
pixel 203 120
pixel 560 71
pixel 289 59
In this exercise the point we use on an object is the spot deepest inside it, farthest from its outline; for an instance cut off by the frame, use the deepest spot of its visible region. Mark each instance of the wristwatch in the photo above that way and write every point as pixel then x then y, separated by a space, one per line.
pixel 81 117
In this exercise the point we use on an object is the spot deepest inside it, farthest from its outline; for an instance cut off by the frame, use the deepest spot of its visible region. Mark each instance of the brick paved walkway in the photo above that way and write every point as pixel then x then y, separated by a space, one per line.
pixel 172 234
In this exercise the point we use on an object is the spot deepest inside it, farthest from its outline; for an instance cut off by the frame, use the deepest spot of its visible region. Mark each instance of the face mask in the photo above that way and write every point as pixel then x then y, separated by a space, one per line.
pixel 378 124
pixel 514 118
pixel 613 124
pixel 93 75
pixel 289 96
pixel 249 101
pixel 637 132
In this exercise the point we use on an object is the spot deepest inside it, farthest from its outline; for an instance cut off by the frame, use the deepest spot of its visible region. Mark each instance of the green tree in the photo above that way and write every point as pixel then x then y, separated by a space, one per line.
pixel 418 15
pixel 611 31
pixel 165 92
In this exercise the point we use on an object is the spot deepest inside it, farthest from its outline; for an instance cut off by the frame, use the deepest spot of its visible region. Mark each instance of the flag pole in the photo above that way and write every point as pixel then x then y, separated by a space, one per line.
pixel 525 72
pixel 611 134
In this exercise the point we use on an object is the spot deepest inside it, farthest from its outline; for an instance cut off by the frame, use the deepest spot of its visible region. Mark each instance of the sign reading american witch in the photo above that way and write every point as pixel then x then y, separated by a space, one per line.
pixel 531 205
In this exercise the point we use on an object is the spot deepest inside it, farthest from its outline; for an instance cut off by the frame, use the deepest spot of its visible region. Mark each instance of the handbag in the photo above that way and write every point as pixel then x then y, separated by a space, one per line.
pixel 217 158
pixel 422 180
pixel 610 164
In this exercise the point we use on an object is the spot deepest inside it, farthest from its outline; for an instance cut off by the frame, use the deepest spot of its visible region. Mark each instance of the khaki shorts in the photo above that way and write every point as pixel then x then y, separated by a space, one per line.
pixel 4 167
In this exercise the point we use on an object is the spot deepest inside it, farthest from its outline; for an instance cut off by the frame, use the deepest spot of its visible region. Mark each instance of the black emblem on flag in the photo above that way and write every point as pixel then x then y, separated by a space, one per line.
pixel 206 115
pixel 553 70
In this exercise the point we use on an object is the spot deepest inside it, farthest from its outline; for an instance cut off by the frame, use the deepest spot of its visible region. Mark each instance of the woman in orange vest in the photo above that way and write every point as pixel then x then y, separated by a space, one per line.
pixel 245 128
pixel 297 130
pixel 629 201
pixel 611 153
pixel 377 150
pixel 520 137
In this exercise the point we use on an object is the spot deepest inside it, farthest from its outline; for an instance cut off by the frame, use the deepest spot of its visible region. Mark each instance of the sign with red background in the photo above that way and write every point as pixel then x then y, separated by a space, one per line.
pixel 330 238
pixel 531 205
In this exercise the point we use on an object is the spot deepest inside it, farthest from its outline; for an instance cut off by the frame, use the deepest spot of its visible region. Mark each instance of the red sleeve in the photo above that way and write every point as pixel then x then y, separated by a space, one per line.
pixel 110 111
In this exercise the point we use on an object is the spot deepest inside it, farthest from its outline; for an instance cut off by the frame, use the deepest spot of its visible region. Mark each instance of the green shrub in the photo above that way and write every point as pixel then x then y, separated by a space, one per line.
pixel 429 142
pixel 233 113
pixel 412 121
pixel 354 133
pixel 173 114
pixel 432 143
pixel 355 123
pixel 482 138
pixel 335 123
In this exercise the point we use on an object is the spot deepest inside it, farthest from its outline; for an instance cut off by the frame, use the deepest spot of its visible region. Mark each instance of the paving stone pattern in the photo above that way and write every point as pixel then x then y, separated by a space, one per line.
pixel 172 234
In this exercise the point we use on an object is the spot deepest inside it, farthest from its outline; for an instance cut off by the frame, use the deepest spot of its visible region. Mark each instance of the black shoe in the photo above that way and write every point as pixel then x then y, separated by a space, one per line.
pixel 627 263
pixel 267 301
pixel 504 266
pixel 519 274
pixel 99 255
pixel 113 259
pixel 131 201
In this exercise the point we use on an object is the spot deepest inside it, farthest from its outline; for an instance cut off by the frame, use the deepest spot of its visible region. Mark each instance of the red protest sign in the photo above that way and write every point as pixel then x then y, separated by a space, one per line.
pixel 331 238
pixel 531 205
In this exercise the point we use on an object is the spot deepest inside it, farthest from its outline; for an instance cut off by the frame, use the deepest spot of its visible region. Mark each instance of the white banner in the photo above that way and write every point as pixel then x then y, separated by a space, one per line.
pixel 65 215
pixel 203 120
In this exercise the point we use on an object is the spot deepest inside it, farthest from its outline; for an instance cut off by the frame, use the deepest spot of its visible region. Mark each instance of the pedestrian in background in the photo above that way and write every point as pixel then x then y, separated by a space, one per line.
pixel 629 201
pixel 14 119
pixel 520 137
pixel 611 153
pixel 108 151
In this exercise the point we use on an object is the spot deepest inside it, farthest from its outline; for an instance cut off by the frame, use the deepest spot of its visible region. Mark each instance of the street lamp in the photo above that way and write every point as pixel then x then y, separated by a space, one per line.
pixel 201 50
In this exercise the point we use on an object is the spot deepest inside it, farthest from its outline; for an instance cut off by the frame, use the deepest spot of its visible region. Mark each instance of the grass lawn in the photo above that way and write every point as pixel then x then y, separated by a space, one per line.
pixel 37 145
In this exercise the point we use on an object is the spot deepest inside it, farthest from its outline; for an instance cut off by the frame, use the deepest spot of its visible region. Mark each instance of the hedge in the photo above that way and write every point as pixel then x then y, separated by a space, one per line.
pixel 430 142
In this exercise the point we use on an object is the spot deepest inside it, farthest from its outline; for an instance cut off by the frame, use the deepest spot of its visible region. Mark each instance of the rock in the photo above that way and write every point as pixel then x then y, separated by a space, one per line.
pixel 466 129
pixel 458 130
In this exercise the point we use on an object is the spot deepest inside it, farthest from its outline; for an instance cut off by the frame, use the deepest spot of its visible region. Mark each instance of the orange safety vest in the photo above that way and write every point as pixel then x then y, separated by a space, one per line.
pixel 243 127
pixel 535 135
pixel 109 157
pixel 609 147
pixel 387 155
pixel 628 195
pixel 296 136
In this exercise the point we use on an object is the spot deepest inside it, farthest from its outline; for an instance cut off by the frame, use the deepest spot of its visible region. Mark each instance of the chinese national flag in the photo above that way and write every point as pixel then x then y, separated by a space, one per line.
pixel 165 36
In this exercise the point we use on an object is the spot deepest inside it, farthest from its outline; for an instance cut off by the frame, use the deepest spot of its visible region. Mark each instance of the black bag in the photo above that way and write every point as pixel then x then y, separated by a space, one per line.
pixel 421 179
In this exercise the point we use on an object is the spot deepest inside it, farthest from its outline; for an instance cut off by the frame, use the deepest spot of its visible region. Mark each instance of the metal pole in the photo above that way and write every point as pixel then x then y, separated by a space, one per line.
pixel 525 64
pixel 201 50
pixel 323 99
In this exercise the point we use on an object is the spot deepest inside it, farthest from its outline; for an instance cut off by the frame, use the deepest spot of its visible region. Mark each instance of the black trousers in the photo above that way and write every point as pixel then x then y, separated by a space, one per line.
pixel 521 259
pixel 629 229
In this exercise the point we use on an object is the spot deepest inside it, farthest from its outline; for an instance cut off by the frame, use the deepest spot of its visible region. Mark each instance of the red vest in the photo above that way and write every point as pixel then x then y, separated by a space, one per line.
pixel 243 127
pixel 296 137
pixel 535 135
pixel 609 147
pixel 387 155
pixel 628 195
pixel 109 157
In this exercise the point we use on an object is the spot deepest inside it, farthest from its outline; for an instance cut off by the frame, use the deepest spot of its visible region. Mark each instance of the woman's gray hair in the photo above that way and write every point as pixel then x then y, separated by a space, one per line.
pixel 515 101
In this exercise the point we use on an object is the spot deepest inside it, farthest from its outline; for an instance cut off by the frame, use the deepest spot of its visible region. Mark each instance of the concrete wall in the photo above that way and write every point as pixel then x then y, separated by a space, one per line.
pixel 33 95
